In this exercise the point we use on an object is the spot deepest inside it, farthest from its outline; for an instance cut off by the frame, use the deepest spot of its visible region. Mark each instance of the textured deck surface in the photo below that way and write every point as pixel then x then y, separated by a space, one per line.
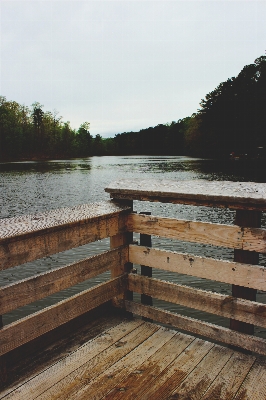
pixel 140 360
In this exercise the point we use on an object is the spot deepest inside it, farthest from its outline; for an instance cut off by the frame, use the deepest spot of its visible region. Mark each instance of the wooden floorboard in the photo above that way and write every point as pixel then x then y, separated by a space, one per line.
pixel 141 360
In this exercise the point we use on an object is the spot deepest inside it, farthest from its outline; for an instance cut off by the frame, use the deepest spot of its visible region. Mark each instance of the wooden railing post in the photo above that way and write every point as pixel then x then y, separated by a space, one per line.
pixel 251 219
pixel 145 240
pixel 120 240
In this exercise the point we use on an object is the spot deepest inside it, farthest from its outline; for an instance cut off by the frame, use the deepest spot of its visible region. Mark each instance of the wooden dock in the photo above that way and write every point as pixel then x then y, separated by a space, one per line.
pixel 100 343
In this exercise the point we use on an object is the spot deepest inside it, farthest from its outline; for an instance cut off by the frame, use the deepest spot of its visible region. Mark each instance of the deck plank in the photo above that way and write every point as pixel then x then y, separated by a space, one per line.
pixel 99 387
pixel 177 371
pixel 135 383
pixel 140 360
pixel 43 381
pixel 254 386
pixel 67 387
pixel 231 377
pixel 203 375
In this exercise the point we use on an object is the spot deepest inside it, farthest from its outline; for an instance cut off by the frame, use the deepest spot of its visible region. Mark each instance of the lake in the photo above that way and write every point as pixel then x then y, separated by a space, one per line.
pixel 30 187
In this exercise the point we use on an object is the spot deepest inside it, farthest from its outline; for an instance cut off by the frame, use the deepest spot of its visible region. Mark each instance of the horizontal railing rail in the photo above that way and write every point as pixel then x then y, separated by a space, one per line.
pixel 28 328
pixel 42 285
pixel 230 236
pixel 27 238
pixel 197 327
pixel 250 276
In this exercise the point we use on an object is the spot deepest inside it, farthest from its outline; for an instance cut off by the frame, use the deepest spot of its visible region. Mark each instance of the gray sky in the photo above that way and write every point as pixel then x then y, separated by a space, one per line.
pixel 125 65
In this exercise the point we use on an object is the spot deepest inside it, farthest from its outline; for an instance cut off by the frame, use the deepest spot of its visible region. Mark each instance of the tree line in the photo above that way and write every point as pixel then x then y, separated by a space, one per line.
pixel 31 133
pixel 231 119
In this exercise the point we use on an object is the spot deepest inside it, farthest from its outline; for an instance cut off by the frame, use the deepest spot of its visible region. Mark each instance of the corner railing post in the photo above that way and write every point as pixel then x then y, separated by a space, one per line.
pixel 120 240
pixel 251 219
pixel 145 240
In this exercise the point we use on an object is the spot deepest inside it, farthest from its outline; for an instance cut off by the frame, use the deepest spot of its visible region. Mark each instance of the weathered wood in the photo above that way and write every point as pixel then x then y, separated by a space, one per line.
pixel 198 381
pixel 218 270
pixel 27 238
pixel 234 237
pixel 215 303
pixel 254 385
pixel 145 240
pixel 42 285
pixel 106 357
pixel 230 378
pixel 35 356
pixel 136 360
pixel 32 326
pixel 215 332
pixel 250 219
pixel 116 242
pixel 99 387
pixel 76 361
pixel 243 195
pixel 122 239
pixel 175 373
pixel 138 381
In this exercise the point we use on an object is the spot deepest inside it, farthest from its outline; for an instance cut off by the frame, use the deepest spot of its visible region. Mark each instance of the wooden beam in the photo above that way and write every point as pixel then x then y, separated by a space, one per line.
pixel 250 276
pixel 145 240
pixel 42 285
pixel 26 238
pixel 214 332
pixel 214 303
pixel 245 218
pixel 122 239
pixel 32 326
pixel 234 237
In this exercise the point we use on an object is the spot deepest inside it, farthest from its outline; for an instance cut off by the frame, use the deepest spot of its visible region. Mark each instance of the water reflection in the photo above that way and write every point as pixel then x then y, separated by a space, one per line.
pixel 45 166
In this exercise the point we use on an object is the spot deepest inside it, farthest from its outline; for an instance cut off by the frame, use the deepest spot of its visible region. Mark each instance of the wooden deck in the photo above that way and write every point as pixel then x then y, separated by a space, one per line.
pixel 141 360
pixel 83 347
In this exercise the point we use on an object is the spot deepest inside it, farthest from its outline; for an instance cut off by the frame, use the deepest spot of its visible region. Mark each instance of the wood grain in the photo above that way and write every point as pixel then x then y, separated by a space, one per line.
pixel 243 195
pixel 28 328
pixel 97 388
pixel 26 238
pixel 215 303
pixel 230 378
pixel 205 329
pixel 234 237
pixel 252 276
pixel 42 285
pixel 254 385
pixel 138 381
pixel 66 388
pixel 204 373
pixel 175 373
pixel 67 366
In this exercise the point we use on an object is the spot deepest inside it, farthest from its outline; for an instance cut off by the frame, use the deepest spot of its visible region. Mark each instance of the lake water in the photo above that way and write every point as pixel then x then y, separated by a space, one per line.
pixel 30 187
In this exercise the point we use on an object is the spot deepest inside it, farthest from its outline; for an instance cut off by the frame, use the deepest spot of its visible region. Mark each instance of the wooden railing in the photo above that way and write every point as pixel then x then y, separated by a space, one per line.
pixel 26 238
pixel 246 238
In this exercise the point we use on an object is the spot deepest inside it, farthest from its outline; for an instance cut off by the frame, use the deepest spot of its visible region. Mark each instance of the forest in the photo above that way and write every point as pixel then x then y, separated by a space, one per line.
pixel 230 120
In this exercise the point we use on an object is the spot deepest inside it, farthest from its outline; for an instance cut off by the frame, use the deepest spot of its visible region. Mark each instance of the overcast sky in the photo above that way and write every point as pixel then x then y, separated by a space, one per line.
pixel 125 65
